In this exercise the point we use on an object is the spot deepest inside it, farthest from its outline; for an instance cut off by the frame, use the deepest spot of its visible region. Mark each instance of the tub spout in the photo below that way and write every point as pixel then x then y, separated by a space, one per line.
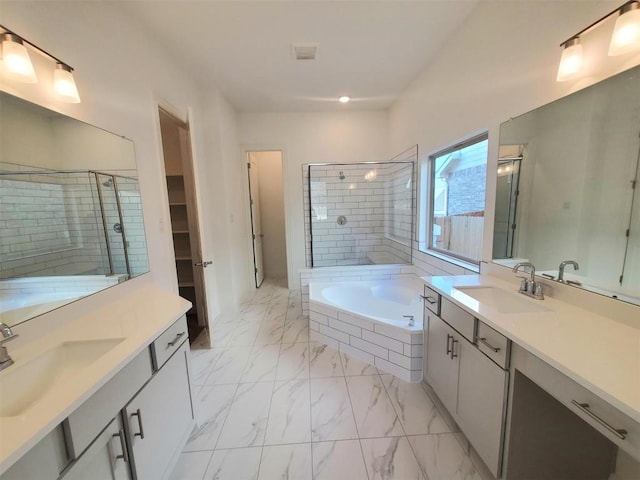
pixel 412 321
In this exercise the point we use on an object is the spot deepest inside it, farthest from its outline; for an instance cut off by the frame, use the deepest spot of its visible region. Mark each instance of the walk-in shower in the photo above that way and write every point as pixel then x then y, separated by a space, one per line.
pixel 359 213
pixel 71 223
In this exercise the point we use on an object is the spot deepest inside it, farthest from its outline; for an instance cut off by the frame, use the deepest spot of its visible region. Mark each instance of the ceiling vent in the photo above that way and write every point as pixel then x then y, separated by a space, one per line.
pixel 305 51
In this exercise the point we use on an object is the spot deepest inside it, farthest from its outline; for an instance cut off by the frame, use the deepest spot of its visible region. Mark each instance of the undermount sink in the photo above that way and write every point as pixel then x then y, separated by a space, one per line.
pixel 503 301
pixel 21 386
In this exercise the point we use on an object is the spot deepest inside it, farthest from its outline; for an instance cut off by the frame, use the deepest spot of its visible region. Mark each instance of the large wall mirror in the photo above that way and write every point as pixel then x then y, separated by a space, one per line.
pixel 70 211
pixel 569 189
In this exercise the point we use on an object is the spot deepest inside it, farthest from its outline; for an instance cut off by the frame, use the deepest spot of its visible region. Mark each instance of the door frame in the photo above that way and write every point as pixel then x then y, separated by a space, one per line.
pixel 246 150
pixel 186 116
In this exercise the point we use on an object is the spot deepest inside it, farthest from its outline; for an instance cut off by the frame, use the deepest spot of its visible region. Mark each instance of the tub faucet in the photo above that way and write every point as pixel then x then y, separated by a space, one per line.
pixel 412 322
pixel 573 263
pixel 7 336
pixel 529 286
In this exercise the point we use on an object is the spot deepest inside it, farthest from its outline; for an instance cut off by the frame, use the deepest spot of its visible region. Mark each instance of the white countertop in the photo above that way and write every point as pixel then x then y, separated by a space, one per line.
pixel 601 354
pixel 138 318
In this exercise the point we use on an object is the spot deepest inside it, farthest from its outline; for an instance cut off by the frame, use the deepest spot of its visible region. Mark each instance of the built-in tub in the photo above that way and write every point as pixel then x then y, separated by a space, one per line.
pixel 371 320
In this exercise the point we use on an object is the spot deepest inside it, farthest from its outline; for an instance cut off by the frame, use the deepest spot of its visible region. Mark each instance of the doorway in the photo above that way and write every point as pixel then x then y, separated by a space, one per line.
pixel 267 215
pixel 185 229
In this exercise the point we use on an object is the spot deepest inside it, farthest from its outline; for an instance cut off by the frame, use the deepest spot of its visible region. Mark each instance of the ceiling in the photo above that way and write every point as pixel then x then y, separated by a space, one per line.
pixel 370 50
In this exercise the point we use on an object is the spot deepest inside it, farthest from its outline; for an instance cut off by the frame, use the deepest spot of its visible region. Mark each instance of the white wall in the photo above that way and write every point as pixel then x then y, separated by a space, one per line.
pixel 121 77
pixel 342 137
pixel 271 193
pixel 501 63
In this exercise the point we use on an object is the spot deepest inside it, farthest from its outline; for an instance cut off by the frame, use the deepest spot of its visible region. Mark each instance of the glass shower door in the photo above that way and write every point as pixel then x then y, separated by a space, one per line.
pixel 112 220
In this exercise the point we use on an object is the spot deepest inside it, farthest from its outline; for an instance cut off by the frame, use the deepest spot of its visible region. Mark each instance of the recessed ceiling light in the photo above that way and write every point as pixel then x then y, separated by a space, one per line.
pixel 344 99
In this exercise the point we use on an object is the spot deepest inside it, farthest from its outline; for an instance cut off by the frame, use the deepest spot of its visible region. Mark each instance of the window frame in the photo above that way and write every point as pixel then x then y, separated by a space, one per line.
pixel 430 187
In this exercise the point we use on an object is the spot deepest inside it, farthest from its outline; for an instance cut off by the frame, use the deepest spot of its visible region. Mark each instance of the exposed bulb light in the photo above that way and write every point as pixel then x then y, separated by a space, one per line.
pixel 344 99
pixel 15 59
pixel 626 33
pixel 571 60
pixel 64 84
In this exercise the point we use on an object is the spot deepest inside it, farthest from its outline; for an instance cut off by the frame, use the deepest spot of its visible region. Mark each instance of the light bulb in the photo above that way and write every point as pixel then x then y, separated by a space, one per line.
pixel 571 60
pixel 344 99
pixel 626 33
pixel 15 59
pixel 64 84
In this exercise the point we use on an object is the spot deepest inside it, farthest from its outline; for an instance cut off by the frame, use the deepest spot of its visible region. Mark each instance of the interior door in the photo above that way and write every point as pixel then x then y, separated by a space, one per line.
pixel 256 230
pixel 199 263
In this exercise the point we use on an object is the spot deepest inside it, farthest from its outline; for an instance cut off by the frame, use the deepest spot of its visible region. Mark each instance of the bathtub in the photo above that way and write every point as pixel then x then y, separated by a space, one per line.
pixel 369 320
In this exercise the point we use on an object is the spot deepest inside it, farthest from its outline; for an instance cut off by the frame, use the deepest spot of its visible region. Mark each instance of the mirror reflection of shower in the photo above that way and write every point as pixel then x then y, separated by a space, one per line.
pixel 507 191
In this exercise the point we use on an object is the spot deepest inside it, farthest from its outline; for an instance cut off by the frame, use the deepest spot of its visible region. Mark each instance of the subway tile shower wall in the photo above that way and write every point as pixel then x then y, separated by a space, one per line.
pixel 359 214
pixel 50 227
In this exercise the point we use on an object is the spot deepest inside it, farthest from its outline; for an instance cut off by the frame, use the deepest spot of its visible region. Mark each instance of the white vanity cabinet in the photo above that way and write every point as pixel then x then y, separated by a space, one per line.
pixel 159 417
pixel 45 461
pixel 443 365
pixel 107 457
pixel 470 384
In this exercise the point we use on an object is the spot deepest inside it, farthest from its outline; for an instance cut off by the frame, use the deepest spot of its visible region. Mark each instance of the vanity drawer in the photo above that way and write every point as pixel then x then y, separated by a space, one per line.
pixel 168 342
pixel 601 415
pixel 493 344
pixel 88 420
pixel 432 300
pixel 462 321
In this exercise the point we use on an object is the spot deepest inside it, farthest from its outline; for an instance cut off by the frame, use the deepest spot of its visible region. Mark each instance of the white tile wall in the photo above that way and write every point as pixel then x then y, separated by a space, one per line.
pixel 364 339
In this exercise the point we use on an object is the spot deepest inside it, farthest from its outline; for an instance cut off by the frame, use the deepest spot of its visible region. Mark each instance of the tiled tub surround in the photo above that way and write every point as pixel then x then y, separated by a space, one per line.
pixel 366 319
pixel 24 298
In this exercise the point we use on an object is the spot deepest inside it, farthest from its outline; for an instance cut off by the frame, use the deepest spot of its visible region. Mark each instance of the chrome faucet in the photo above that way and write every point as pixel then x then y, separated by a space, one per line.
pixel 7 336
pixel 529 286
pixel 564 264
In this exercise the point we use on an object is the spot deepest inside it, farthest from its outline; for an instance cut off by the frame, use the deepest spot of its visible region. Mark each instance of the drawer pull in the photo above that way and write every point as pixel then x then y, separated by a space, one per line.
pixel 175 340
pixel 483 340
pixel 584 407
pixel 453 348
pixel 449 349
pixel 138 414
pixel 431 300
pixel 123 445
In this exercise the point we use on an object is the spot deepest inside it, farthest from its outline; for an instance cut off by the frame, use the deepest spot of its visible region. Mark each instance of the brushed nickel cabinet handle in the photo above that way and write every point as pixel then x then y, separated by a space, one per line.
pixel 584 407
pixel 453 348
pixel 123 445
pixel 138 414
pixel 449 337
pixel 431 300
pixel 483 340
pixel 175 340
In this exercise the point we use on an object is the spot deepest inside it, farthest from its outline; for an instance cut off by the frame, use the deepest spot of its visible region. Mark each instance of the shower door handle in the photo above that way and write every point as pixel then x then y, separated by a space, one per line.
pixel 203 264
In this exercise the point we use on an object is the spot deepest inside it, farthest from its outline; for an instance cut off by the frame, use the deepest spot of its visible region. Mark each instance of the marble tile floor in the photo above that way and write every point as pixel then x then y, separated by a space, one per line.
pixel 272 405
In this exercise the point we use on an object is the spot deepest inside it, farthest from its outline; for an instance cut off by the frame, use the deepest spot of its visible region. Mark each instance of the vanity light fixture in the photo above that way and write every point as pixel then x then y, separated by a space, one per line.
pixel 16 62
pixel 626 33
pixel 64 83
pixel 625 39
pixel 17 65
pixel 571 60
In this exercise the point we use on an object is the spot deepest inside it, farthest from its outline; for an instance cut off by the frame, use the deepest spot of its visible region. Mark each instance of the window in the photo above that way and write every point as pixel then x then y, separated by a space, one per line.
pixel 455 200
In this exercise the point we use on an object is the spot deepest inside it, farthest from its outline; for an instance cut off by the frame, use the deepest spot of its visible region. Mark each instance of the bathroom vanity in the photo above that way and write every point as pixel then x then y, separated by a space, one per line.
pixel 106 396
pixel 541 389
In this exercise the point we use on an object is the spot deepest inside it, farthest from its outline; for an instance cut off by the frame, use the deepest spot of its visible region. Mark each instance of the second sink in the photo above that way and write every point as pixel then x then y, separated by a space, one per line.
pixel 503 301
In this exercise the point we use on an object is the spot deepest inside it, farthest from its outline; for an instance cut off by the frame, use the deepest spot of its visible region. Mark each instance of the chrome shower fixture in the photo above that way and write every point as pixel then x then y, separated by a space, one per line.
pixel 342 177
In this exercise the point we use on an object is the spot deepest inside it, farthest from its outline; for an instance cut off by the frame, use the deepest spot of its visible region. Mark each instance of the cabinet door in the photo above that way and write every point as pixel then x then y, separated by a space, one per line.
pixel 442 365
pixel 159 417
pixel 481 400
pixel 44 461
pixel 105 459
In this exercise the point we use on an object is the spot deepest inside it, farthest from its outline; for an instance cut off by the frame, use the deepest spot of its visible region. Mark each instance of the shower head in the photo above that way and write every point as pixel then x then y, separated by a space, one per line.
pixel 108 183
pixel 342 177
